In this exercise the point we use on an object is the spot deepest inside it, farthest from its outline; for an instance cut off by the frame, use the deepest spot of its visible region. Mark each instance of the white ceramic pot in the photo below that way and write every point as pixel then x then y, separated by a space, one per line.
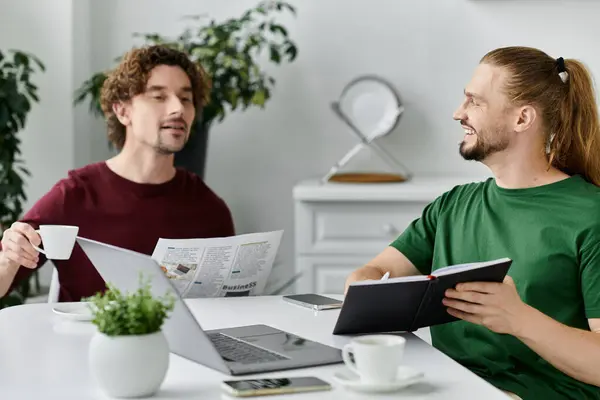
pixel 131 365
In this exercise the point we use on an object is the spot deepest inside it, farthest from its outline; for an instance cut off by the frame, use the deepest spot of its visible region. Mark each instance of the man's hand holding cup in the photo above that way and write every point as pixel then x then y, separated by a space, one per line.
pixel 18 246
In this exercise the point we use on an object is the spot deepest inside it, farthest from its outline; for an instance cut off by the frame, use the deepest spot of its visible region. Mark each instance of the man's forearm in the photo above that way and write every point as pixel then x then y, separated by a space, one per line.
pixel 574 351
pixel 8 271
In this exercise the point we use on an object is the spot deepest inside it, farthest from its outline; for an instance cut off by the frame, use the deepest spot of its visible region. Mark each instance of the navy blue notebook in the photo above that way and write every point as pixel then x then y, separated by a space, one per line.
pixel 411 302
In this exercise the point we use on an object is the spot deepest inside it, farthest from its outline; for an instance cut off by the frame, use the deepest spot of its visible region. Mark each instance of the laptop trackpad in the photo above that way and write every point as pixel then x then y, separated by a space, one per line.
pixel 281 342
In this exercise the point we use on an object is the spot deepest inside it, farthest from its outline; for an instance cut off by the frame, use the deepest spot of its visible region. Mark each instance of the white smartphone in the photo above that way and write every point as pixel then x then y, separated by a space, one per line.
pixel 314 301
pixel 263 387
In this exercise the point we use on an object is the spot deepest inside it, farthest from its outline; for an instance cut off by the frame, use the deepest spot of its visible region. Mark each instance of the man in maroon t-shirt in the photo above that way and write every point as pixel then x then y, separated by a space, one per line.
pixel 150 102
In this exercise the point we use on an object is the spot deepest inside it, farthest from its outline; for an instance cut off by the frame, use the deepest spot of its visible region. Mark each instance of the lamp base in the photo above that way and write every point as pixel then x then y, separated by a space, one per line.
pixel 367 177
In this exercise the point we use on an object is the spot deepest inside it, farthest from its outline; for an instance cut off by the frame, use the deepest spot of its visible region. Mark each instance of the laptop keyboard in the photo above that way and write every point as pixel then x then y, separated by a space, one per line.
pixel 235 350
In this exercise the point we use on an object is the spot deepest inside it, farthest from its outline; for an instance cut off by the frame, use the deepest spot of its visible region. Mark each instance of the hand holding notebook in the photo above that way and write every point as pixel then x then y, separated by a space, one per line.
pixel 411 302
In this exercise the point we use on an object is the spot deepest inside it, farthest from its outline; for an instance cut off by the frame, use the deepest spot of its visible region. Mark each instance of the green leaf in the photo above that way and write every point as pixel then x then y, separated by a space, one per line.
pixel 91 88
pixel 34 96
pixel 247 16
pixel 275 56
pixel 3 114
pixel 200 53
pixel 259 98
pixel 21 59
pixel 278 29
pixel 291 8
pixel 291 51
pixel 232 99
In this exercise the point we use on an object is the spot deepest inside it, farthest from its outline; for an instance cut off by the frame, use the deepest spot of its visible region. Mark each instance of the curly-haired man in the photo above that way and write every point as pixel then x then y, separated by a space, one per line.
pixel 150 102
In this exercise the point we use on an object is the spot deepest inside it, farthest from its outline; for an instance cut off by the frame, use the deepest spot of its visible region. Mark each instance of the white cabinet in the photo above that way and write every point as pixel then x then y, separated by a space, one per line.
pixel 340 227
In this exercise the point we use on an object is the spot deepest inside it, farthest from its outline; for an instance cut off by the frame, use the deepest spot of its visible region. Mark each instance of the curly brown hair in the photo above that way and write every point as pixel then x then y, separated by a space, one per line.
pixel 130 77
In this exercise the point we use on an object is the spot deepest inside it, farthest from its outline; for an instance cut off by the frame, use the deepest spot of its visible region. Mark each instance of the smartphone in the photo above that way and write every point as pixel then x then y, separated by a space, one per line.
pixel 263 387
pixel 314 301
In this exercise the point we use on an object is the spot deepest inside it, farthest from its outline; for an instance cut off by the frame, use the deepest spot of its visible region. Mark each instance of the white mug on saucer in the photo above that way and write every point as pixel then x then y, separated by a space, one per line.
pixel 58 241
pixel 376 357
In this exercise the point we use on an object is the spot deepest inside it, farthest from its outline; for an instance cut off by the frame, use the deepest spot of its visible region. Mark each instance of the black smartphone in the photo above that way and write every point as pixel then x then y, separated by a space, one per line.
pixel 263 387
pixel 314 301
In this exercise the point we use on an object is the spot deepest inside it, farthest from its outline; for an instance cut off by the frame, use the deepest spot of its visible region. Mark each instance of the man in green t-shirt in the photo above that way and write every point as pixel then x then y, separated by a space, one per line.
pixel 533 121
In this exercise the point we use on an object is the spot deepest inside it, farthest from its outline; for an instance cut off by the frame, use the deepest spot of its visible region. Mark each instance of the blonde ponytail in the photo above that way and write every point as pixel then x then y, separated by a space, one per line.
pixel 575 148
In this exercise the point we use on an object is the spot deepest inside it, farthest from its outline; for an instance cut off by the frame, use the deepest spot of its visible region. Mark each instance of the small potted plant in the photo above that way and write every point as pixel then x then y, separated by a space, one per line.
pixel 129 354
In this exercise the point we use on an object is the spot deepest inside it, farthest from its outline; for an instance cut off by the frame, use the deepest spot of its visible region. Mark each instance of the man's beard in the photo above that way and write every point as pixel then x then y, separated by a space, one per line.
pixel 163 149
pixel 483 148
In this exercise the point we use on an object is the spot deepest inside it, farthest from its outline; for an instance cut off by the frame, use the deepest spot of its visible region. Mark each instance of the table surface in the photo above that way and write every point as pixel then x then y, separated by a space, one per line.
pixel 44 356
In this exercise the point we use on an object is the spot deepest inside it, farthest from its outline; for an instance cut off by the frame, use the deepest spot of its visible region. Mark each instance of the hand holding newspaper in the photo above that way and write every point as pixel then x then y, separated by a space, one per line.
pixel 219 267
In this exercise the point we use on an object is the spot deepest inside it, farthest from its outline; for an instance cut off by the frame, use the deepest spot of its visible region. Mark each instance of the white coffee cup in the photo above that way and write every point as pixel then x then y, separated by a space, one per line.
pixel 58 241
pixel 376 357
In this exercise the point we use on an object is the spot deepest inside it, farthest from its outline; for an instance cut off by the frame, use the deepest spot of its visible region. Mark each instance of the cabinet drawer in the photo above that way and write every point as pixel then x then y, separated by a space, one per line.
pixel 326 275
pixel 363 228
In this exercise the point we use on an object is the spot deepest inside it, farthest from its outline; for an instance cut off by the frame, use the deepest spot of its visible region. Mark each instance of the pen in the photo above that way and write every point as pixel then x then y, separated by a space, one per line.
pixel 384 277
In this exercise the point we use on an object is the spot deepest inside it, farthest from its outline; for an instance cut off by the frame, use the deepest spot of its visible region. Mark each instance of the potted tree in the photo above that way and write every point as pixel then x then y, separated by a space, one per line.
pixel 229 51
pixel 17 93
pixel 129 354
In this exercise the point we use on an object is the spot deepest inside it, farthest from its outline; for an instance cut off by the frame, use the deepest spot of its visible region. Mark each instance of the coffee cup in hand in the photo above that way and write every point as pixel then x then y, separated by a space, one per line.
pixel 375 358
pixel 58 241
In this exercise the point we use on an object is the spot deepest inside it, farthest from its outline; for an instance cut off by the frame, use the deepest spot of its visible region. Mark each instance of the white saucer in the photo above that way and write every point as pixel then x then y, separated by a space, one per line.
pixel 74 311
pixel 406 377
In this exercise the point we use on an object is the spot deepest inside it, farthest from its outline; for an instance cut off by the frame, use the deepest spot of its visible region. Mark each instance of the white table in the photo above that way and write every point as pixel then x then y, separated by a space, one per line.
pixel 44 356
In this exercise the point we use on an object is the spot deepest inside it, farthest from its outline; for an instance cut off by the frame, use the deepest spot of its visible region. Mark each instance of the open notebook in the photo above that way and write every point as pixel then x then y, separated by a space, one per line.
pixel 412 302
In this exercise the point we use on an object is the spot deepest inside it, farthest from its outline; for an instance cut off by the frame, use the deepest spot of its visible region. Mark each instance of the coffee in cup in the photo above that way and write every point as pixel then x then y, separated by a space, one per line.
pixel 375 358
pixel 58 241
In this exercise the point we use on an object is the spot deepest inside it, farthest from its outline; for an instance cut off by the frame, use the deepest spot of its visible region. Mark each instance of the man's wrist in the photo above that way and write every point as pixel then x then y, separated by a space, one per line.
pixel 7 265
pixel 528 323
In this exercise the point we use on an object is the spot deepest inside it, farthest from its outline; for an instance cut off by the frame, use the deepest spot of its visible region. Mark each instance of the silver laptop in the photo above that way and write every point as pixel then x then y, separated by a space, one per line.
pixel 234 351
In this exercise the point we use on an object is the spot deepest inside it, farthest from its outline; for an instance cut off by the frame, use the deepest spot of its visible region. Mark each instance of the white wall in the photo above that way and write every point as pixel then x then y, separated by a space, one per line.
pixel 85 126
pixel 427 48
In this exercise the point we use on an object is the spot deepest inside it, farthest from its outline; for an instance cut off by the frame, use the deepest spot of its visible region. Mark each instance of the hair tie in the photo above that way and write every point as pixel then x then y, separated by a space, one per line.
pixel 562 70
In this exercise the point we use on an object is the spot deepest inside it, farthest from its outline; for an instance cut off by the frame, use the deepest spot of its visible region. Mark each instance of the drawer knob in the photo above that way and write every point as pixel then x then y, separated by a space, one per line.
pixel 390 229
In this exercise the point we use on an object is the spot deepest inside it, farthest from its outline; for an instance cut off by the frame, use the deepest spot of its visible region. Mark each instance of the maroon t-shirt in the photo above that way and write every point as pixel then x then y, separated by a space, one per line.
pixel 111 209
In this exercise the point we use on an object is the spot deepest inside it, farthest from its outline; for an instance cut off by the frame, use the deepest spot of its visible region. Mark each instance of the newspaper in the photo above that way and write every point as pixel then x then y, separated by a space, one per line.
pixel 232 266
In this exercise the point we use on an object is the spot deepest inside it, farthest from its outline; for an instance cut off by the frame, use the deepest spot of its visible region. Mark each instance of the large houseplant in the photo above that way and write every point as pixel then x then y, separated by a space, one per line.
pixel 229 51
pixel 17 93
pixel 129 354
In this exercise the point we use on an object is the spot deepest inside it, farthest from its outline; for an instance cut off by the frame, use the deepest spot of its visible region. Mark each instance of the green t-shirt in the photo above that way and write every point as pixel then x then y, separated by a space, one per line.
pixel 552 234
